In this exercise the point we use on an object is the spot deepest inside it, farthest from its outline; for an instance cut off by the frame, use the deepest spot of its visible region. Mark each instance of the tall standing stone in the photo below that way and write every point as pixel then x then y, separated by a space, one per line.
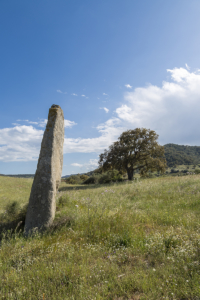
pixel 42 202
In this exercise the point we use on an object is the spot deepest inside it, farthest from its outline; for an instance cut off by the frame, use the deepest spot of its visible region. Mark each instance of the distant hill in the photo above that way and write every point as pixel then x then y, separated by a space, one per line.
pixel 182 155
pixel 66 176
pixel 20 175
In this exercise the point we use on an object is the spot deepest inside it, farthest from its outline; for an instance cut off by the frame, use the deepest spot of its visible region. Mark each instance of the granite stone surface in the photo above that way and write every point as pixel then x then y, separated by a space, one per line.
pixel 42 201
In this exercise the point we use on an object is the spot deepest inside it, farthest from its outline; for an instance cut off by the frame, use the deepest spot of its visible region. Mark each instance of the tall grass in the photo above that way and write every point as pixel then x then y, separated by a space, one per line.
pixel 138 240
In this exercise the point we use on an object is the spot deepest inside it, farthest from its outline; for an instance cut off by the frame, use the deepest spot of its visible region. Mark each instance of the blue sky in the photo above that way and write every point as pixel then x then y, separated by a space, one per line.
pixel 111 65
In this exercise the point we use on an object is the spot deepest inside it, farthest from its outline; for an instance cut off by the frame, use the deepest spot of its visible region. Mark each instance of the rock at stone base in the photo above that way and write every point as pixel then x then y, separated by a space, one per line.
pixel 42 202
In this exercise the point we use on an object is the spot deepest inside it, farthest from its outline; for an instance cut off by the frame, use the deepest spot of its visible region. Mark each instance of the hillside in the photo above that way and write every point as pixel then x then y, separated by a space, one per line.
pixel 20 175
pixel 182 155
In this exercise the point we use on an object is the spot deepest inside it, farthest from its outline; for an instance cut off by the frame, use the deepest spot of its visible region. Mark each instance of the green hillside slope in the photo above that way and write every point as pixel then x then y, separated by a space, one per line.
pixel 181 155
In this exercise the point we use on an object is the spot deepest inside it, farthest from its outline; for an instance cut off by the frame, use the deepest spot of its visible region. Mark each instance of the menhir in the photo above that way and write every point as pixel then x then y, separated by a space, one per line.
pixel 42 202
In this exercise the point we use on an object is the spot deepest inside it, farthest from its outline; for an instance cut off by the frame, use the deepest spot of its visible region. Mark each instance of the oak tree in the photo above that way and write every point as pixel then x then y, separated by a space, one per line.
pixel 135 150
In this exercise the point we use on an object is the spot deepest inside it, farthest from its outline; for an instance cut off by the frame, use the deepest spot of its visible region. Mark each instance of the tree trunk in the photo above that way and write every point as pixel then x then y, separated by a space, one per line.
pixel 130 174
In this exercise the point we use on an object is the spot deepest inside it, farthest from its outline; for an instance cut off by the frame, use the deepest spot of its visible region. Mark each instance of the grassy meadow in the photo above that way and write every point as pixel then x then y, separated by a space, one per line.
pixel 14 189
pixel 130 240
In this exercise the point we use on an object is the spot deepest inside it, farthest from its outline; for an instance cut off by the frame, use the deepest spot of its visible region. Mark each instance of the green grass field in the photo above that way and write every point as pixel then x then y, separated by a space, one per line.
pixel 132 240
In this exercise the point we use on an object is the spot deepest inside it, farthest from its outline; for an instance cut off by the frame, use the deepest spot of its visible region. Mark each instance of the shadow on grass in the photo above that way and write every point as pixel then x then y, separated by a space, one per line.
pixel 79 187
pixel 12 221
pixel 86 187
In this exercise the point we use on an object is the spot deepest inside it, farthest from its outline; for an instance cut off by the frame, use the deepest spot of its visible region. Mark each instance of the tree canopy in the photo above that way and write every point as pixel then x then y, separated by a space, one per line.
pixel 136 149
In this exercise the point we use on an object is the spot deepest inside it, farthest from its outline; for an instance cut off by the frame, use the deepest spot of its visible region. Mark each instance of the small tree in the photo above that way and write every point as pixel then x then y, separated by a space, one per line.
pixel 84 177
pixel 136 149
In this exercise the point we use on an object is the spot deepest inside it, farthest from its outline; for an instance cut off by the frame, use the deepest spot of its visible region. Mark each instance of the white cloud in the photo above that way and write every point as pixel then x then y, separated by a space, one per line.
pixel 69 123
pixel 187 67
pixel 23 142
pixel 59 91
pixel 106 109
pixel 30 122
pixel 84 96
pixel 172 110
pixel 76 165
pixel 20 143
pixel 43 122
pixel 109 132
pixel 92 164
pixel 74 94
pixel 105 94
pixel 40 123
pixel 128 86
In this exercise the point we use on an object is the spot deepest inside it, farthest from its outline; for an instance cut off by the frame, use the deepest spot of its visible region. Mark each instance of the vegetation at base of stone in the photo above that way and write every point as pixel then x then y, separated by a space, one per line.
pixel 13 217
pixel 63 201
pixel 125 240
pixel 135 150
pixel 181 155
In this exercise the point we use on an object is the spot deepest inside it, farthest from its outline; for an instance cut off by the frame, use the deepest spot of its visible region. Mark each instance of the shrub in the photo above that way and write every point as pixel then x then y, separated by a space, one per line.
pixel 12 209
pixel 104 179
pixel 84 177
pixel 91 180
pixel 107 177
pixel 113 176
pixel 98 171
pixel 151 175
pixel 116 177
pixel 66 221
pixel 73 179
pixel 13 218
pixel 197 171
pixel 174 171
